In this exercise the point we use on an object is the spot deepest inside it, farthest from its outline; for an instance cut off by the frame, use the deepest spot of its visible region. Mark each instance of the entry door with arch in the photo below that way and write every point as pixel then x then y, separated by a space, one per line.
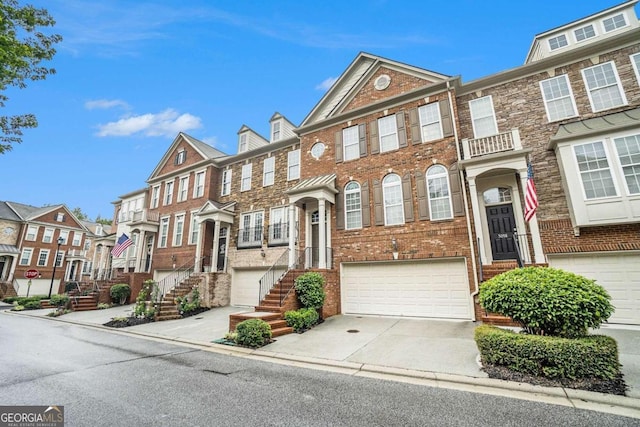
pixel 501 223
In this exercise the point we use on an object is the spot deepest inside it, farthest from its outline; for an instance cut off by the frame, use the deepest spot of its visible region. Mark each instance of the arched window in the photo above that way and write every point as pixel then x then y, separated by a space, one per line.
pixel 353 206
pixel 496 195
pixel 392 194
pixel 439 194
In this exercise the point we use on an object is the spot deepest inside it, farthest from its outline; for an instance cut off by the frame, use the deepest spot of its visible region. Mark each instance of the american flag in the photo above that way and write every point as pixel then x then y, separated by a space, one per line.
pixel 531 196
pixel 123 243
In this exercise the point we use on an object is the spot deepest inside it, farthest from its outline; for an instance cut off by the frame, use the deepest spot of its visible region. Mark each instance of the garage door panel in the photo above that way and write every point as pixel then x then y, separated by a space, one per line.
pixel 417 289
pixel 618 273
pixel 245 287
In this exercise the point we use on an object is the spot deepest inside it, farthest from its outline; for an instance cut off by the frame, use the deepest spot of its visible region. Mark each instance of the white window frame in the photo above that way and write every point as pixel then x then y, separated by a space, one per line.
pixel 163 235
pixel 64 234
pixel 226 182
pixel 617 84
pixel 440 173
pixel 250 229
pixel 608 169
pixel 28 253
pixel 178 229
pixel 430 118
pixel 168 193
pixel 47 236
pixel 283 232
pixel 293 165
pixel 268 171
pixel 59 258
pixel 77 238
pixel 351 143
pixel 388 204
pixel 245 180
pixel 32 233
pixel 351 208
pixel 635 62
pixel 194 229
pixel 612 19
pixel 276 130
pixel 155 196
pixel 243 145
pixel 181 156
pixel 183 188
pixel 555 43
pixel 388 139
pixel 60 217
pixel 198 184
pixel 559 99
pixel 584 31
pixel 634 164
pixel 44 262
pixel 475 116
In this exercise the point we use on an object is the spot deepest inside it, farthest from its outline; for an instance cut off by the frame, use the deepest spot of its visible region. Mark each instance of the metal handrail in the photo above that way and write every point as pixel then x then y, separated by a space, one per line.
pixel 480 262
pixel 298 264
pixel 517 245
pixel 174 279
pixel 274 274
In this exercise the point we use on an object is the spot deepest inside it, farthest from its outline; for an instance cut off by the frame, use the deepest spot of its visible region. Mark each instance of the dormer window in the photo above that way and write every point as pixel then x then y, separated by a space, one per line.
pixel 181 156
pixel 243 143
pixel 60 217
pixel 558 42
pixel 275 131
pixel 613 23
pixel 584 33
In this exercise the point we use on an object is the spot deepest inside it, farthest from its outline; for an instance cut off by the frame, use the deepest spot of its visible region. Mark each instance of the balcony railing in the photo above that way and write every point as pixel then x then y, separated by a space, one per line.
pixel 279 234
pixel 505 141
pixel 250 237
pixel 139 216
pixel 76 253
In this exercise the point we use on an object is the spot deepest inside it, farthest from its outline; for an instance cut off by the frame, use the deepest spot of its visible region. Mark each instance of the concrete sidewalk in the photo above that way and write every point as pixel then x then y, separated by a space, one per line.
pixel 426 351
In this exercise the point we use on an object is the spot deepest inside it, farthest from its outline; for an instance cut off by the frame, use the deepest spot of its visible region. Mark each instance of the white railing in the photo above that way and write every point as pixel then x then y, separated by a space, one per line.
pixel 146 216
pixel 505 141
pixel 76 253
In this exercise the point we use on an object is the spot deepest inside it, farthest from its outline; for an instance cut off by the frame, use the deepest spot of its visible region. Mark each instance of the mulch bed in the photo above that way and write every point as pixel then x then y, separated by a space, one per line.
pixel 195 312
pixel 130 321
pixel 616 386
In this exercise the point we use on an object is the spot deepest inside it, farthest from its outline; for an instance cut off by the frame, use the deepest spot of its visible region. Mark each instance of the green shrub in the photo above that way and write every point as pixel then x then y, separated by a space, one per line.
pixel 24 300
pixel 190 302
pixel 33 305
pixel 309 287
pixel 59 300
pixel 17 307
pixel 302 319
pixel 120 293
pixel 253 333
pixel 103 305
pixel 593 356
pixel 141 300
pixel 547 301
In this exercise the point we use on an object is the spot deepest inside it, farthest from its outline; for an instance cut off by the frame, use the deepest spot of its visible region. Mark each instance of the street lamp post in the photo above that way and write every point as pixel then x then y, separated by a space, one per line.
pixel 55 264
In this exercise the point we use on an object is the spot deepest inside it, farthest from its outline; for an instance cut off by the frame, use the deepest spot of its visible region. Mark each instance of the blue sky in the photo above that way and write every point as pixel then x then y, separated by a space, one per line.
pixel 132 74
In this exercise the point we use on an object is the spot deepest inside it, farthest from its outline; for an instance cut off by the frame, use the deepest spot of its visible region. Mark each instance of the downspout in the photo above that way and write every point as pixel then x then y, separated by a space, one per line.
pixel 465 197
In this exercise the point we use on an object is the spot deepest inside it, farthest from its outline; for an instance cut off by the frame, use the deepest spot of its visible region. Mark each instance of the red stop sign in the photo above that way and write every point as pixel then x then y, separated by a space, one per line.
pixel 31 274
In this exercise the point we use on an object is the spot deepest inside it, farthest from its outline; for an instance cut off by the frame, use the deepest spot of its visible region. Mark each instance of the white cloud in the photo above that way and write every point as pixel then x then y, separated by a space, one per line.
pixel 326 83
pixel 105 104
pixel 166 123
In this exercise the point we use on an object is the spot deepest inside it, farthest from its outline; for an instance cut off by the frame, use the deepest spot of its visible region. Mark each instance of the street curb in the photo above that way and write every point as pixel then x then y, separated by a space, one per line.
pixel 579 399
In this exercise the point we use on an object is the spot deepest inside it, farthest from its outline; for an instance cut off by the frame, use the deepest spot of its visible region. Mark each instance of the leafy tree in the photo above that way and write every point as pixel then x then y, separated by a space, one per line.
pixel 22 49
pixel 80 215
pixel 103 221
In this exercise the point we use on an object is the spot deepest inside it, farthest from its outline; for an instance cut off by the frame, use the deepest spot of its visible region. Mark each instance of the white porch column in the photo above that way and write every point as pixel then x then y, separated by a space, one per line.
pixel 308 241
pixel 322 235
pixel 328 236
pixel 538 253
pixel 198 260
pixel 14 262
pixel 292 237
pixel 226 248
pixel 477 219
pixel 216 244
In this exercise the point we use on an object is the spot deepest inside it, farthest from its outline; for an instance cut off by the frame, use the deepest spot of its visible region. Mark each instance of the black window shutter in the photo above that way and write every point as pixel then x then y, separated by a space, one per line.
pixel 456 190
pixel 340 210
pixel 339 146
pixel 365 204
pixel 378 209
pixel 373 137
pixel 414 123
pixel 362 135
pixel 421 191
pixel 402 132
pixel 175 159
pixel 445 115
pixel 407 197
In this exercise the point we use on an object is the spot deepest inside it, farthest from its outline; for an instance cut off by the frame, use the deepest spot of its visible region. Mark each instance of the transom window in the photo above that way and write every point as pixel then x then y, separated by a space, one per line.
pixel 614 22
pixel 245 184
pixel 558 42
pixel 628 149
pixel 353 205
pixel 497 195
pixel 293 165
pixel 483 117
pixel 438 191
pixel 392 195
pixel 351 143
pixel 388 133
pixel 595 172
pixel 603 85
pixel 558 98
pixel 268 171
pixel 430 126
pixel 584 33
pixel 226 182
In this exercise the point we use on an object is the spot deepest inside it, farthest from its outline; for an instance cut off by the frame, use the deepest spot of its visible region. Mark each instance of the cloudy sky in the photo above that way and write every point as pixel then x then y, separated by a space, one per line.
pixel 132 74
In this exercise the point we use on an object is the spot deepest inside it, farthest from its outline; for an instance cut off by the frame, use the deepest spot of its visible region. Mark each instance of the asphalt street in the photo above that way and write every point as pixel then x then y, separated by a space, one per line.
pixel 110 379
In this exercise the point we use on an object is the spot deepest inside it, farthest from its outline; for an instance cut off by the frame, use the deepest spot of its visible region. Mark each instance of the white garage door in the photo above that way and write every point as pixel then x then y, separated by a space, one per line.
pixel 416 288
pixel 245 286
pixel 618 273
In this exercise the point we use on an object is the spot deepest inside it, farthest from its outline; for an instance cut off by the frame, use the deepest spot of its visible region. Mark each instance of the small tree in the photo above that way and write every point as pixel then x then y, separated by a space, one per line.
pixel 547 301
pixel 309 287
pixel 120 293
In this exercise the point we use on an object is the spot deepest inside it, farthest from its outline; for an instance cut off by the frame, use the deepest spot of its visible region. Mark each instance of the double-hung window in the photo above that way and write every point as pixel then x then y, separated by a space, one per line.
pixel 635 61
pixel 628 149
pixel 438 192
pixel 603 86
pixel 25 258
pixel 164 232
pixel 392 194
pixel 483 117
pixel 77 238
pixel 194 230
pixel 350 143
pixel 32 232
pixel 178 230
pixel 226 182
pixel 353 206
pixel 155 196
pixel 388 133
pixel 558 98
pixel 59 258
pixel 43 258
pixel 64 234
pixel 430 126
pixel 47 237
pixel 168 193
pixel 183 187
pixel 293 165
pixel 198 187
pixel 268 171
pixel 245 184
pixel 595 171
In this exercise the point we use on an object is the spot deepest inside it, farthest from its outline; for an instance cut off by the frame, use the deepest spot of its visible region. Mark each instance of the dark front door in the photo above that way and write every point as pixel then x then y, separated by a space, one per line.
pixel 501 228
pixel 222 250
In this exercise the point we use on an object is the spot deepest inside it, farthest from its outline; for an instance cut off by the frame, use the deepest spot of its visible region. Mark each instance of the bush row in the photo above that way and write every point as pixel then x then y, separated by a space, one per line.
pixel 302 319
pixel 593 356
pixel 24 300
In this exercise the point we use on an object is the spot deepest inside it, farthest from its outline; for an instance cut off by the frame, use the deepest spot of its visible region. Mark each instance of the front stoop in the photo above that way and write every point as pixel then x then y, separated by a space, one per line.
pixel 274 319
pixel 84 302
pixel 168 308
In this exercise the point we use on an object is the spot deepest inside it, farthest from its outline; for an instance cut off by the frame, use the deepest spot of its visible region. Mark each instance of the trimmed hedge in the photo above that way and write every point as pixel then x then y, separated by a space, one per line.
pixel 593 356
pixel 24 300
pixel 253 333
pixel 302 319
pixel 309 288
pixel 120 293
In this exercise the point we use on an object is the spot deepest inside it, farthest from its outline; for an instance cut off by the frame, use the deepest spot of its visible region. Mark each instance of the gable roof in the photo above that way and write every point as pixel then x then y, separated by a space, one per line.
pixel 28 212
pixel 352 80
pixel 7 213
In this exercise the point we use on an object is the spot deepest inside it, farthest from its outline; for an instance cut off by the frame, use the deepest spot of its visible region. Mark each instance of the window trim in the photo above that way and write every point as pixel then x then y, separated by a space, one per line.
pixel 444 174
pixel 46 253
pixel 423 124
pixel 575 37
pixel 79 234
pixel 268 173
pixel 64 234
pixel 636 65
pixel 46 232
pixel 245 179
pixel 473 119
pixel 348 192
pixel 22 254
pixel 384 198
pixel 243 143
pixel 226 182
pixel 183 191
pixel 155 196
pixel 178 224
pixel 198 185
pixel 181 157
pixel 168 195
pixel 35 233
pixel 609 165
pixel 59 260
pixel 355 143
pixel 618 85
pixel 194 229
pixel 570 95
pixel 562 36
pixel 619 166
pixel 392 118
pixel 164 233
pixel 624 16
pixel 276 130
pixel 293 156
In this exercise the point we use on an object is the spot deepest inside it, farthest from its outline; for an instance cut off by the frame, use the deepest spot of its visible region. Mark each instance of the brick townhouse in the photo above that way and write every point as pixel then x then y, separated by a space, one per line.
pixel 406 186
